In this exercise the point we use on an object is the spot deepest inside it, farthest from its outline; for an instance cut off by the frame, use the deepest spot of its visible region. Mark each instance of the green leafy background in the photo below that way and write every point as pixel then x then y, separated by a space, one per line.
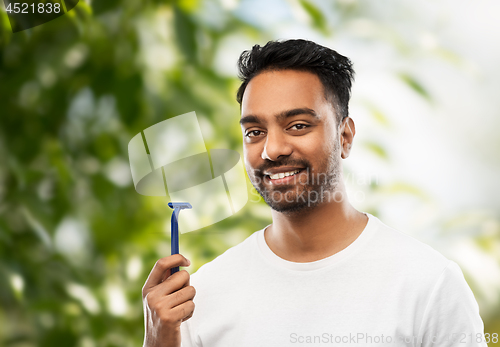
pixel 76 240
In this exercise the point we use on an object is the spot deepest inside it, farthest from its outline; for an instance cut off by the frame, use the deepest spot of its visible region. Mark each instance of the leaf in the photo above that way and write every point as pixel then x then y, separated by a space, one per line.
pixel 69 4
pixel 100 7
pixel 319 20
pixel 416 86
pixel 405 188
pixel 185 34
pixel 377 114
pixel 377 149
pixel 188 6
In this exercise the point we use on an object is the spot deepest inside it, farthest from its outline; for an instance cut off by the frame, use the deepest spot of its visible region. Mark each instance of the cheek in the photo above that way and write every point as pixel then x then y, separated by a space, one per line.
pixel 327 139
pixel 316 150
pixel 249 158
pixel 248 167
pixel 312 147
pixel 252 153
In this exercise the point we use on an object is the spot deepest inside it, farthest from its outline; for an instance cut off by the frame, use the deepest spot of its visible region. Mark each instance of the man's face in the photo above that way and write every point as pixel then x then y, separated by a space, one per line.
pixel 289 128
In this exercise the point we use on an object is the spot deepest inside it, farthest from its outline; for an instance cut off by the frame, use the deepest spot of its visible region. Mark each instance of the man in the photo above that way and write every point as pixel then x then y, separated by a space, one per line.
pixel 322 272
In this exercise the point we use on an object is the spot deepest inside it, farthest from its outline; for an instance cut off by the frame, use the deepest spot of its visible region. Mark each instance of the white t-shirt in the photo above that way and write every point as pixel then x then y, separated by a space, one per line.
pixel 384 289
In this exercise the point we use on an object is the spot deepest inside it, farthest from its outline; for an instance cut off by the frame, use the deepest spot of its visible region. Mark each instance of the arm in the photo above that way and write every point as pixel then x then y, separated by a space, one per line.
pixel 451 317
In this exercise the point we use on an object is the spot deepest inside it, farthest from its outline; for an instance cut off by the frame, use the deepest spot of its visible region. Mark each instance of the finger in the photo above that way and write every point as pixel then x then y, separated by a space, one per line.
pixel 183 311
pixel 189 316
pixel 179 297
pixel 162 268
pixel 172 284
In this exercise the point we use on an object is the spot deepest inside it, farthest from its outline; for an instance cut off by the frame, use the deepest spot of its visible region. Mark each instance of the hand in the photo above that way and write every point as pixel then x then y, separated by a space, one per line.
pixel 167 301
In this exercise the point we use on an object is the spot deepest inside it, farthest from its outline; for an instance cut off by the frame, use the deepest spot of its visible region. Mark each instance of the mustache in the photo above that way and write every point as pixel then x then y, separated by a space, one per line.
pixel 285 162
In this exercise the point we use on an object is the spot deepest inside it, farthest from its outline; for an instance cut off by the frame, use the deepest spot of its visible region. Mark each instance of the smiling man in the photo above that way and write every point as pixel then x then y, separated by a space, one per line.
pixel 290 127
pixel 322 273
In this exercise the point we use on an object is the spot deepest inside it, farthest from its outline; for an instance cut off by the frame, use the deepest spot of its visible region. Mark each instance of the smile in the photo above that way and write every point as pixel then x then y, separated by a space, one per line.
pixel 283 174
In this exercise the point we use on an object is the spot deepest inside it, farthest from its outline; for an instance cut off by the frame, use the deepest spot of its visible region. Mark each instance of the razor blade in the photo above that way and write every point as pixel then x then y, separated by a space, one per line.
pixel 174 228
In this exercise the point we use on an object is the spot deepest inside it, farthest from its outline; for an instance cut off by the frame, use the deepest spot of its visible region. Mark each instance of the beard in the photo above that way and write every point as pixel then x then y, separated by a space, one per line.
pixel 307 190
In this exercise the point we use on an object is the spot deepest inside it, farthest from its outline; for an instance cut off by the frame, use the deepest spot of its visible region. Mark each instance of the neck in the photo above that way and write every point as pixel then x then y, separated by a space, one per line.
pixel 315 233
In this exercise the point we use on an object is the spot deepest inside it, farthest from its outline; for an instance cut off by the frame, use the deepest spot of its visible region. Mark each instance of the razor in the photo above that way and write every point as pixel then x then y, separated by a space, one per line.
pixel 174 228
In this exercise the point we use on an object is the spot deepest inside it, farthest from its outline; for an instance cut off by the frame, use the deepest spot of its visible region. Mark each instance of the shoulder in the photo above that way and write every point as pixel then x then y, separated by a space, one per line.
pixel 404 253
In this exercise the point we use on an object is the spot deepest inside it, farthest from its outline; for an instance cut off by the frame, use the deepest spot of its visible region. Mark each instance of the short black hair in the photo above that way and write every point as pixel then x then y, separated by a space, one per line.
pixel 333 69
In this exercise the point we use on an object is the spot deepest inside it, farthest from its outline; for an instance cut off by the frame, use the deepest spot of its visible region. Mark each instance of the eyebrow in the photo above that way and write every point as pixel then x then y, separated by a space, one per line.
pixel 280 116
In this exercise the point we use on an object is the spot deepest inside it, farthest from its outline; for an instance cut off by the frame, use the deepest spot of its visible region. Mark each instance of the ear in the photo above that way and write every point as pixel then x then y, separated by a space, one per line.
pixel 347 131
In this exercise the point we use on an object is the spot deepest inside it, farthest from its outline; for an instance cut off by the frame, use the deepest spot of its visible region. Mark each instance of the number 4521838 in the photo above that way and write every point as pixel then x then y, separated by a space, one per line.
pixel 31 13
pixel 27 8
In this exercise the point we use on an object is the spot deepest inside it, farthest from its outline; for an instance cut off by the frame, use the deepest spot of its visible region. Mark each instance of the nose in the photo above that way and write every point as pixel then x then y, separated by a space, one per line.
pixel 276 145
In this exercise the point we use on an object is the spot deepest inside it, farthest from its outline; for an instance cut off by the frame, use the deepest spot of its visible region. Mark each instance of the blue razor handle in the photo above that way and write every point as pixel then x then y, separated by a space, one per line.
pixel 174 228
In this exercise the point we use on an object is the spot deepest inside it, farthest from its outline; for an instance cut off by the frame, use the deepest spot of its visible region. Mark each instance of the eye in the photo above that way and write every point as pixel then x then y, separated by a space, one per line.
pixel 299 126
pixel 253 133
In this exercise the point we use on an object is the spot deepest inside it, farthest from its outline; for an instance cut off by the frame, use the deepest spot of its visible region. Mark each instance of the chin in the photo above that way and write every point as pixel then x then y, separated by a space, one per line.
pixel 290 208
pixel 287 202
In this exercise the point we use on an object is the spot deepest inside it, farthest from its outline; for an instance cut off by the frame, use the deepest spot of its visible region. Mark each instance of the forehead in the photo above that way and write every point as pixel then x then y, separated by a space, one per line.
pixel 272 92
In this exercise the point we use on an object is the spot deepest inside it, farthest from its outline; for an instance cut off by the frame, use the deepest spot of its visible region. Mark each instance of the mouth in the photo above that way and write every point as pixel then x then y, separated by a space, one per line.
pixel 283 177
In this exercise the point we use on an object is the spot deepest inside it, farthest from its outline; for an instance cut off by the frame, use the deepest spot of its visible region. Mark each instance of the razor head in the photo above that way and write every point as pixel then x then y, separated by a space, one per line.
pixel 180 205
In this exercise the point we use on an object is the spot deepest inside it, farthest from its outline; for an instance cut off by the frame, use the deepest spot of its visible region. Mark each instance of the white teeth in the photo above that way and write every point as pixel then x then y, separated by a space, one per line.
pixel 283 174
